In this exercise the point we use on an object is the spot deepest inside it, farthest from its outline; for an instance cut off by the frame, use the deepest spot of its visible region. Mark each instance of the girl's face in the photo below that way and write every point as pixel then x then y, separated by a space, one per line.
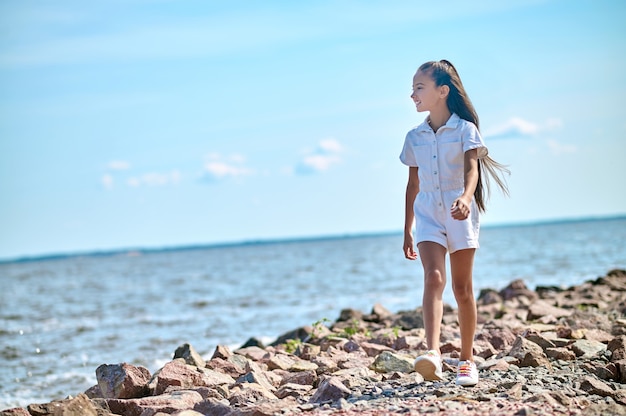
pixel 426 95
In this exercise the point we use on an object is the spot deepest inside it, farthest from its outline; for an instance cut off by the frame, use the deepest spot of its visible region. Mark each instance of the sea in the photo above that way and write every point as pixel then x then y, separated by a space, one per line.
pixel 63 316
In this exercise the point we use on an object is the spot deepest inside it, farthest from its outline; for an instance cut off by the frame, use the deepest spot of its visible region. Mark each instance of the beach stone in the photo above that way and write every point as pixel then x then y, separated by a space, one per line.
pixel 388 362
pixel 561 353
pixel 180 375
pixel 540 308
pixel 226 367
pixel 254 353
pixel 584 348
pixel 16 411
pixel 280 361
pixel 617 346
pixel 223 352
pixel 528 353
pixel 516 289
pixel 409 320
pixel 381 313
pixel 190 355
pixel 213 407
pixel 77 406
pixel 149 406
pixel 594 386
pixel 330 390
pixel 374 350
pixel 122 381
pixel 293 390
pixel 249 393
pixel 538 339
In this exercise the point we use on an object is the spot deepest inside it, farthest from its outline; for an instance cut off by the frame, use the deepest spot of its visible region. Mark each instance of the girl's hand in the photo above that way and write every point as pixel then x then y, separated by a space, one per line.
pixel 460 209
pixel 409 249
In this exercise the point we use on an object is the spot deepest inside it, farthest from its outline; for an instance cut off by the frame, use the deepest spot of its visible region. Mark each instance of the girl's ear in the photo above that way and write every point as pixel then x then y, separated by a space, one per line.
pixel 444 90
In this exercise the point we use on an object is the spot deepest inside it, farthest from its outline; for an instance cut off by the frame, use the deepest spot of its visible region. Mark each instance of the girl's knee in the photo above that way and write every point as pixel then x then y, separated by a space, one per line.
pixel 434 280
pixel 463 293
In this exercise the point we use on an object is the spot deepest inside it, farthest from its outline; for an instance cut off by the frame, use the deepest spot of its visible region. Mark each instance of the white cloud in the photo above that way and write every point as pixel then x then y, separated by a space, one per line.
pixel 107 181
pixel 326 154
pixel 518 127
pixel 118 165
pixel 219 167
pixel 155 179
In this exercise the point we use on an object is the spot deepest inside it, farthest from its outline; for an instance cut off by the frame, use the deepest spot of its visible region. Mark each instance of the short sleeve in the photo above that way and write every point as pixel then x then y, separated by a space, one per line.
pixel 408 155
pixel 473 140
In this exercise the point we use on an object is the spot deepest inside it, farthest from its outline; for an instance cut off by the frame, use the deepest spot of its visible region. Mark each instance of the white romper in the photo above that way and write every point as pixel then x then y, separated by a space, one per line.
pixel 440 159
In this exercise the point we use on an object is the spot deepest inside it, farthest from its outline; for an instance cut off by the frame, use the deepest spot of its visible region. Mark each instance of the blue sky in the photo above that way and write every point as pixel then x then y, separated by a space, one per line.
pixel 142 123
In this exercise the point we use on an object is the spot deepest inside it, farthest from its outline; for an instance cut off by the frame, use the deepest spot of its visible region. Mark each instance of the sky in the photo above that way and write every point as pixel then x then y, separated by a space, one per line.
pixel 157 124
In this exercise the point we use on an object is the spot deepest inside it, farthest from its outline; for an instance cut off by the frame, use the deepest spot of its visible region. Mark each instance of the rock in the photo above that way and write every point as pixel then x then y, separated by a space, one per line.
pixel 617 346
pixel 190 355
pixel 77 406
pixel 561 353
pixel 213 407
pixel 388 362
pixel 280 361
pixel 254 353
pixel 584 348
pixel 373 350
pixel 516 289
pixel 16 411
pixel 245 393
pixel 330 390
pixel 122 381
pixel 594 386
pixel 149 406
pixel 528 353
pixel 409 320
pixel 540 308
pixel 178 374
pixel 223 352
pixel 293 390
pixel 381 313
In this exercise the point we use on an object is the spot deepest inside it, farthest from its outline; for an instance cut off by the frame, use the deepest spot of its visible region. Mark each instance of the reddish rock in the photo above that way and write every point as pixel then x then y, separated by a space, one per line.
pixel 190 355
pixel 330 390
pixel 293 390
pixel 122 381
pixel 529 354
pixel 16 411
pixel 222 351
pixel 149 406
pixel 516 289
pixel 178 374
pixel 594 386
pixel 617 346
pixel 372 350
pixel 254 353
pixel 225 367
pixel 77 406
pixel 561 353
pixel 540 308
pixel 308 378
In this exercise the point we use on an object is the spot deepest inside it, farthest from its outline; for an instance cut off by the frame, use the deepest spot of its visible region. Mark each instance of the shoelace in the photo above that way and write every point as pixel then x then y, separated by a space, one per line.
pixel 465 370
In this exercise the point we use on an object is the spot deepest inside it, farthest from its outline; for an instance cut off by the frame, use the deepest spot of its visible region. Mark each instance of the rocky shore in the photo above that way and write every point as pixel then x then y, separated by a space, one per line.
pixel 548 351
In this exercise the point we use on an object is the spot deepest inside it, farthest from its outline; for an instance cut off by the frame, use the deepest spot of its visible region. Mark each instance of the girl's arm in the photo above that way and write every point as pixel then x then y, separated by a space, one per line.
pixel 412 189
pixel 460 209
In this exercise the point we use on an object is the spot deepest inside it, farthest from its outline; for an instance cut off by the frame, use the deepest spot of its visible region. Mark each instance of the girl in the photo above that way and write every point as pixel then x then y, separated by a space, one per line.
pixel 447 162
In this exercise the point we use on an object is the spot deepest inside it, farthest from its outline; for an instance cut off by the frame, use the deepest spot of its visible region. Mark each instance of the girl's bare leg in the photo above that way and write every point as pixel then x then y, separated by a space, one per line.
pixel 433 257
pixel 461 265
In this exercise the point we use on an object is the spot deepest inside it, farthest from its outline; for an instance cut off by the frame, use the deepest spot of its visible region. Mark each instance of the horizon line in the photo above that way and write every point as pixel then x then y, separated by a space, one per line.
pixel 136 251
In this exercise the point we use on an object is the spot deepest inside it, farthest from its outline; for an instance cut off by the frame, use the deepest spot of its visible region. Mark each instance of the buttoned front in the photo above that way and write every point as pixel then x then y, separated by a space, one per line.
pixel 440 160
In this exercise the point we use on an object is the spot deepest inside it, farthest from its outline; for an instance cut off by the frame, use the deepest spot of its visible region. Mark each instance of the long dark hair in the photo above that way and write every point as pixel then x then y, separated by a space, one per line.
pixel 444 73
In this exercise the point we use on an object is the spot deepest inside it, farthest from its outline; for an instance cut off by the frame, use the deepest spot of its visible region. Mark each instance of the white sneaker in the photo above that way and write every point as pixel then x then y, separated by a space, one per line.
pixel 467 374
pixel 429 365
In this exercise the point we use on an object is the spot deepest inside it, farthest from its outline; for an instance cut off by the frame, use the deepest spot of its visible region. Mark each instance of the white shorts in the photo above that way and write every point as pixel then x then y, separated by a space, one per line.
pixel 433 221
